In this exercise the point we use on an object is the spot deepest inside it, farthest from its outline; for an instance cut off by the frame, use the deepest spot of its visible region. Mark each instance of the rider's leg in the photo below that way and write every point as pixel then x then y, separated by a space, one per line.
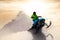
pixel 35 23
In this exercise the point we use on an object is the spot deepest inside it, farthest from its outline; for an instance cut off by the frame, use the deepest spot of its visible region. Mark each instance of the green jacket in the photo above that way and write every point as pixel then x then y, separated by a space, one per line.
pixel 34 17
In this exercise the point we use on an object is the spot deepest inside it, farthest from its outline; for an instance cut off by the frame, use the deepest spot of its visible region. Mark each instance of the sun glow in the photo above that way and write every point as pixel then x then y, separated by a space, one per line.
pixel 33 5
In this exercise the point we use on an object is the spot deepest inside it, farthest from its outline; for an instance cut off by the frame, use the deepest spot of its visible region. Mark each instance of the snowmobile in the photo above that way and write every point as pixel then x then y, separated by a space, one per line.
pixel 40 24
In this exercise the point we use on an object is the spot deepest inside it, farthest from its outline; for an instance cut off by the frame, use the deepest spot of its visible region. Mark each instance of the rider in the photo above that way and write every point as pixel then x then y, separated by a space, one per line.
pixel 34 18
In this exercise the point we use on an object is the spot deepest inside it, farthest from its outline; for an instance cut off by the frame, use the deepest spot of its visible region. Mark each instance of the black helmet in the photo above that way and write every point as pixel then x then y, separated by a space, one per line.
pixel 34 12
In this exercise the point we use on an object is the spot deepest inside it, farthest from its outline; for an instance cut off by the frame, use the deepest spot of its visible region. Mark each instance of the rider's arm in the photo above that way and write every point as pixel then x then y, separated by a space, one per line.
pixel 39 16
